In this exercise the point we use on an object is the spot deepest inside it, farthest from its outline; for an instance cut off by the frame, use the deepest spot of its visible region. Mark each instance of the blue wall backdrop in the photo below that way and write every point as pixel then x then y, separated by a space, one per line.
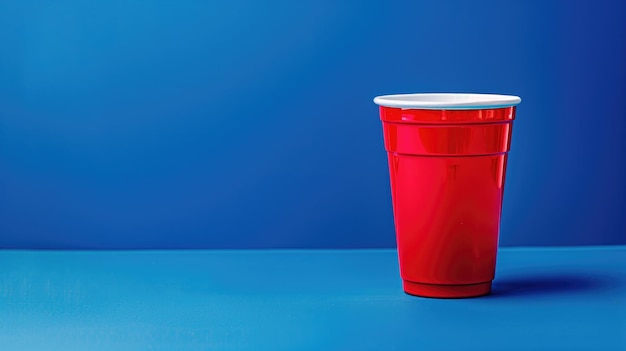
pixel 225 124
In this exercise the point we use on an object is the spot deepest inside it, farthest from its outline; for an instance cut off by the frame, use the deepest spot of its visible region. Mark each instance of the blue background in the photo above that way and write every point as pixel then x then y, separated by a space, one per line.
pixel 197 124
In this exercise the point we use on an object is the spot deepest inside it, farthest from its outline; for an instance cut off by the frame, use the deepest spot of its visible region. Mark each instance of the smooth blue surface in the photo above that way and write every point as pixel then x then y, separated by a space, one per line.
pixel 543 299
pixel 235 124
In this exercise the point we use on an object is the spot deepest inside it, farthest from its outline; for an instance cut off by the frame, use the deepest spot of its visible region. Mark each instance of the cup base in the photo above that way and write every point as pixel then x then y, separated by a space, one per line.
pixel 446 291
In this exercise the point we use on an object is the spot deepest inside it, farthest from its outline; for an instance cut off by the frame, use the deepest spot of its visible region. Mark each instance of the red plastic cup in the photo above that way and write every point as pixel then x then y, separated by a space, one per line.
pixel 447 162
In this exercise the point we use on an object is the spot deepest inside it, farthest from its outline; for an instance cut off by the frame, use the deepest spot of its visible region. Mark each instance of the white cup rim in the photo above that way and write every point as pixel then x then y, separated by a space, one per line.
pixel 447 101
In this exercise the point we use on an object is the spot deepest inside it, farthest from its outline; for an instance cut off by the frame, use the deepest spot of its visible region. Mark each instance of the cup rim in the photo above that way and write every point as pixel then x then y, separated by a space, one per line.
pixel 447 101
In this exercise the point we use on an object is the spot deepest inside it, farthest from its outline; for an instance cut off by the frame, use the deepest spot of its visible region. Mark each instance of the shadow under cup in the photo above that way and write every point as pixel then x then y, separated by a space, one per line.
pixel 447 162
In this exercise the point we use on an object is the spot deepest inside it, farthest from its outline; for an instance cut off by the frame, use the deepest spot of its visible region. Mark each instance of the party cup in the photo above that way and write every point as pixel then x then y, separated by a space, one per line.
pixel 447 158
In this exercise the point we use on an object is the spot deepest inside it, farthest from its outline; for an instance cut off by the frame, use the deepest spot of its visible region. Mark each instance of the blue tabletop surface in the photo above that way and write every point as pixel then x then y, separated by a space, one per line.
pixel 543 299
